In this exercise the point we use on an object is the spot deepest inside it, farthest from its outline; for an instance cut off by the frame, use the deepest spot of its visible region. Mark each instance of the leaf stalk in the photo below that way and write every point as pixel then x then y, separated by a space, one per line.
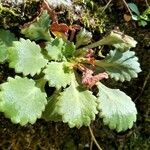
pixel 94 139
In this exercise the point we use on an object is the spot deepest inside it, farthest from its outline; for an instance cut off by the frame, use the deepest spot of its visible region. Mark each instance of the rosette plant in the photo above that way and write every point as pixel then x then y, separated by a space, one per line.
pixel 45 57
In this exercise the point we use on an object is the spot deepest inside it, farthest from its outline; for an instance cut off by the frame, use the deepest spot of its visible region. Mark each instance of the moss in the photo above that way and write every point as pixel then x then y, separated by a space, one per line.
pixel 90 14
pixel 16 14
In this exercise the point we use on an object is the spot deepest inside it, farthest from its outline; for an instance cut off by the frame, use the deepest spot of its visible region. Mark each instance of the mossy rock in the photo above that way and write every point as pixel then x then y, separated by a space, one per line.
pixel 14 13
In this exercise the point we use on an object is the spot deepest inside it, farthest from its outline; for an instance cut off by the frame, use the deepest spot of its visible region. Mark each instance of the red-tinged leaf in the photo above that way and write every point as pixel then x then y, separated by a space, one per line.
pixel 88 79
pixel 60 30
pixel 60 35
pixel 90 53
pixel 76 27
pixel 90 57
pixel 55 27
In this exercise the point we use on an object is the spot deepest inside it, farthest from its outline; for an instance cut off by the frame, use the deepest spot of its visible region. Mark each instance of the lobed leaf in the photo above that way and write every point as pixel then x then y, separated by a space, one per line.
pixel 118 39
pixel 59 50
pixel 58 74
pixel 6 39
pixel 77 106
pixel 21 100
pixel 83 37
pixel 54 49
pixel 39 29
pixel 26 57
pixel 69 49
pixel 120 66
pixel 117 109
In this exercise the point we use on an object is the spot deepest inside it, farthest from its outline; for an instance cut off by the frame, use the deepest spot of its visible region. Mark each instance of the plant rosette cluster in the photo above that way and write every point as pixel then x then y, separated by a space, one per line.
pixel 45 58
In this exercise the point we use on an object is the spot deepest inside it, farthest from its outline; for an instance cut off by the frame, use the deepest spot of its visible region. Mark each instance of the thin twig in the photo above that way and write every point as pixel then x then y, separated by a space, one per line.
pixel 51 12
pixel 127 7
pixel 147 3
pixel 91 144
pixel 94 139
pixel 143 87
pixel 106 6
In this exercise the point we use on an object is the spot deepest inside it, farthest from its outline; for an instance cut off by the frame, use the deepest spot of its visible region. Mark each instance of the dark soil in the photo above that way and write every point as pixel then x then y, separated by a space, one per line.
pixel 58 136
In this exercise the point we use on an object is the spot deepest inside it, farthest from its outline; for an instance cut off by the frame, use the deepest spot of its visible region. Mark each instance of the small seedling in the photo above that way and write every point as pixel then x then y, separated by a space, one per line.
pixel 142 18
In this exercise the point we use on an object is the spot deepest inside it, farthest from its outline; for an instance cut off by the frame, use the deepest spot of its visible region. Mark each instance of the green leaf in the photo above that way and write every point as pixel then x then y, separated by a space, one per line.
pixel 6 39
pixel 146 15
pixel 144 18
pixel 142 23
pixel 135 17
pixel 39 29
pixel 134 8
pixel 77 106
pixel 117 39
pixel 120 66
pixel 117 109
pixel 121 47
pixel 54 49
pixel 69 49
pixel 51 110
pixel 83 37
pixel 58 74
pixel 21 100
pixel 25 57
pixel 59 50
pixel 147 11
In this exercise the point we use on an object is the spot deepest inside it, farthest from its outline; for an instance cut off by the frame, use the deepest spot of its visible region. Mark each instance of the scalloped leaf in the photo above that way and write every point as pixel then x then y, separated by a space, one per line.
pixel 118 39
pixel 69 49
pixel 21 100
pixel 120 66
pixel 54 49
pixel 83 37
pixel 77 106
pixel 59 50
pixel 39 29
pixel 26 57
pixel 6 39
pixel 58 74
pixel 117 109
